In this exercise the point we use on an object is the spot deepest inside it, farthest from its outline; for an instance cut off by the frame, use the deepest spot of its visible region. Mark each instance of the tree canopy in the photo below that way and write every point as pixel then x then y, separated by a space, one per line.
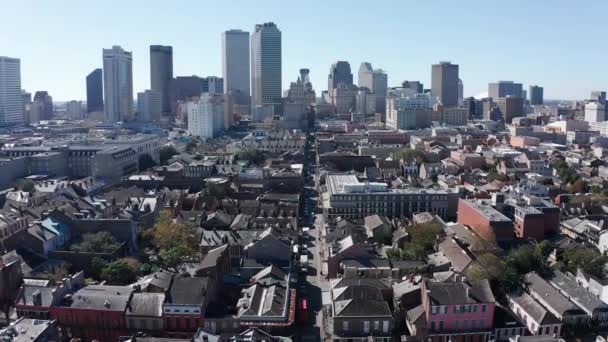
pixel 101 242
pixel 175 241
pixel 254 156
pixel 407 153
pixel 165 153
pixel 422 238
pixel 146 162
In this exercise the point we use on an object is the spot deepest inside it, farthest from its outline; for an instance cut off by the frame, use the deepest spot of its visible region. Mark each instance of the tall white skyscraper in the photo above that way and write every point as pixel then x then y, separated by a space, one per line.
pixel 149 106
pixel 235 64
pixel 266 66
pixel 117 84
pixel 206 116
pixel 11 103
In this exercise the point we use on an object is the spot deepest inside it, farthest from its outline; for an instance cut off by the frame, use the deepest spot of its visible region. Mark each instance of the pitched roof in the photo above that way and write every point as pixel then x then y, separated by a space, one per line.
pixel 460 292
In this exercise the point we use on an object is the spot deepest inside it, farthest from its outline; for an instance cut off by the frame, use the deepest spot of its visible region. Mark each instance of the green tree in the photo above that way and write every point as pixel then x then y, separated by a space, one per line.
pixel 27 185
pixel 167 233
pixel 421 243
pixel 119 272
pixel 165 153
pixel 174 256
pixel 254 156
pixel 146 162
pixel 100 242
pixel 97 267
pixel 407 153
pixel 588 259
pixel 191 145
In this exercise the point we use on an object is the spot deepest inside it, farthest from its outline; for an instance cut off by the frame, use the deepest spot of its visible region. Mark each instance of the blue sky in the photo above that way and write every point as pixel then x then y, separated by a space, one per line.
pixel 559 44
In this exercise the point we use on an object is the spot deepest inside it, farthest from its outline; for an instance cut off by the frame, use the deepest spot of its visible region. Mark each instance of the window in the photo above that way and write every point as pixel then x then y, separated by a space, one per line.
pixel 456 325
pixel 441 325
pixel 465 324
pixel 432 325
pixel 473 324
pixel 484 307
pixel 474 308
pixel 433 310
pixel 556 330
pixel 385 327
pixel 376 325
pixel 547 330
pixel 344 325
pixel 366 327
pixel 444 309
pixel 482 323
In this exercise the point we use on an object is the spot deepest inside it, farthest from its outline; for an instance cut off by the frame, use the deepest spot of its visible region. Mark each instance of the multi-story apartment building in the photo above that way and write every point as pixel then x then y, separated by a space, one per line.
pixel 349 198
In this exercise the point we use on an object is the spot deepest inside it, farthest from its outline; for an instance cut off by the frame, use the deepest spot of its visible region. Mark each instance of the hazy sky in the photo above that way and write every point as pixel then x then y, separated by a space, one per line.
pixel 559 44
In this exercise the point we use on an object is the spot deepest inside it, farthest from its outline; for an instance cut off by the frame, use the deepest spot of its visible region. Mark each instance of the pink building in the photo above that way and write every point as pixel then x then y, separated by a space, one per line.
pixel 522 141
pixel 458 311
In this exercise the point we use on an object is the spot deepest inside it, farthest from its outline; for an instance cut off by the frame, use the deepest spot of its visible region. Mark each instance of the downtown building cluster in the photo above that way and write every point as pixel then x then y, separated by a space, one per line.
pixel 366 212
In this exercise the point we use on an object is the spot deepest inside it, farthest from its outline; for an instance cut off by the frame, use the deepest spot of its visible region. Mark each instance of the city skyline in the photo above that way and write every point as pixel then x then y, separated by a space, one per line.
pixel 534 50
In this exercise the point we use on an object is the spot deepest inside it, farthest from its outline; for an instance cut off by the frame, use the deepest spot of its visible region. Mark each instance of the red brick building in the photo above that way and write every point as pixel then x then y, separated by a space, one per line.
pixel 486 221
pixel 95 312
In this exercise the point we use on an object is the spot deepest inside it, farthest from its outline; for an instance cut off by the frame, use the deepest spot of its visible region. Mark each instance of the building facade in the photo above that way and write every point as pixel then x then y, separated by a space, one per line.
pixel 149 106
pixel 503 89
pixel 95 91
pixel 376 80
pixel 73 110
pixel 161 74
pixel 236 64
pixel 339 73
pixel 206 116
pixel 444 83
pixel 11 106
pixel 117 84
pixel 46 101
pixel 536 95
pixel 266 66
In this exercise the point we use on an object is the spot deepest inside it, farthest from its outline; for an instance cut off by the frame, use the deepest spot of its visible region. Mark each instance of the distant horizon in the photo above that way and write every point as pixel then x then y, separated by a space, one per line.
pixel 509 41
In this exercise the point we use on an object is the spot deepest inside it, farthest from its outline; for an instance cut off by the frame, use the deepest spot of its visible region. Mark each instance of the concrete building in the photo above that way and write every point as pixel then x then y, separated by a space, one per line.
pixel 504 89
pixel 206 116
pixel 46 101
pixel 11 105
pixel 149 106
pixel 161 74
pixel 349 198
pixel 410 112
pixel 536 95
pixel 339 73
pixel 598 96
pixel 213 85
pixel 117 84
pixel 595 112
pixel 415 86
pixel 460 92
pixel 266 66
pixel 444 83
pixel 95 91
pixel 343 98
pixel 511 107
pixel 376 81
pixel 474 108
pixel 236 64
pixel 455 116
pixel 73 110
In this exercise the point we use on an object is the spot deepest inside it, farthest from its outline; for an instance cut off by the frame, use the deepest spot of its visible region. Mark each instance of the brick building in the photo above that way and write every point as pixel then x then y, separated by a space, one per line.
pixel 486 221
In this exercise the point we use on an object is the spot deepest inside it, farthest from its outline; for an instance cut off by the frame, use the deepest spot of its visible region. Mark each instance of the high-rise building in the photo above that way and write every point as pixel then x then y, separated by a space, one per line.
pixel 236 64
pixel 444 83
pixel 213 85
pixel 339 73
pixel 536 95
pixel 46 100
pixel 26 100
pixel 117 84
pixel 161 74
pixel 149 106
pixel 416 86
pixel 266 65
pixel 511 107
pixel 95 91
pixel 376 81
pixel 474 108
pixel 206 116
pixel 598 96
pixel 595 111
pixel 460 92
pixel 11 103
pixel 73 110
pixel 504 89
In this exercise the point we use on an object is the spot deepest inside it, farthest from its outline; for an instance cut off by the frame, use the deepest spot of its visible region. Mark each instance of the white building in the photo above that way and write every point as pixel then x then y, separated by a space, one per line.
pixel 206 116
pixel 73 110
pixel 376 81
pixel 117 84
pixel 235 63
pixel 410 111
pixel 595 112
pixel 266 66
pixel 11 103
pixel 149 106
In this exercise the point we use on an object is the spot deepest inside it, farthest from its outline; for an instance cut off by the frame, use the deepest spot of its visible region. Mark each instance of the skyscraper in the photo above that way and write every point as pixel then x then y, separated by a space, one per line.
pixel 339 73
pixel 598 96
pixel 536 95
pixel 73 110
pixel 376 81
pixel 117 84
pixel 444 83
pixel 235 64
pixel 149 106
pixel 460 92
pixel 161 74
pixel 46 101
pixel 511 107
pixel 266 66
pixel 206 116
pixel 95 91
pixel 213 85
pixel 416 86
pixel 504 89
pixel 11 104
